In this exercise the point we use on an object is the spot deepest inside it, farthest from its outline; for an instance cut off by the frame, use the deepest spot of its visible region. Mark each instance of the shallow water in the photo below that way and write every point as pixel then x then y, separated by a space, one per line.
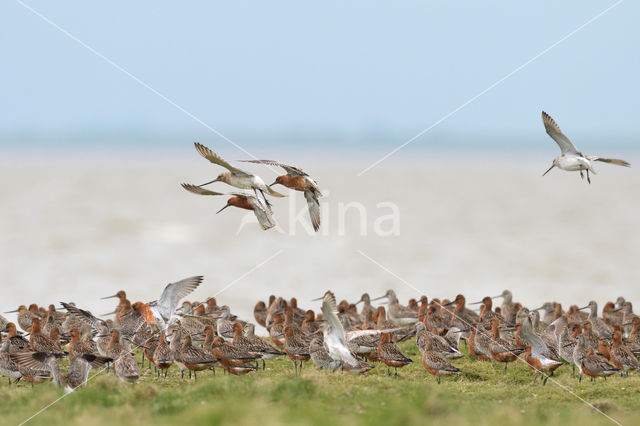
pixel 78 229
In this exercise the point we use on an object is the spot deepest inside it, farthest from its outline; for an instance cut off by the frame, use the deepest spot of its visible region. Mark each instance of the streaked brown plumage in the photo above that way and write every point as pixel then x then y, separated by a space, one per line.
pixel 390 354
pixel 434 362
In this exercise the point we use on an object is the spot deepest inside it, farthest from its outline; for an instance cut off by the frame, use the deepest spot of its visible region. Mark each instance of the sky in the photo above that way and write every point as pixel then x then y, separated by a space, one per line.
pixel 357 72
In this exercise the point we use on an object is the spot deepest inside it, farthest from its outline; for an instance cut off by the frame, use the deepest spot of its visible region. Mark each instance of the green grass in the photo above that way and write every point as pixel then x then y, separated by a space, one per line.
pixel 482 394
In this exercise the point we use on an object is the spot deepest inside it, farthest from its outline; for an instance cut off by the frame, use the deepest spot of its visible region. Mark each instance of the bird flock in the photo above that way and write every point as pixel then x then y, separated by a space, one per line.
pixel 570 159
pixel 295 179
pixel 198 336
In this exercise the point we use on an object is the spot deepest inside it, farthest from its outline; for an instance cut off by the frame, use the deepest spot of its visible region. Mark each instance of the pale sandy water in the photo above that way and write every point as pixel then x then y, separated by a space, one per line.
pixel 81 228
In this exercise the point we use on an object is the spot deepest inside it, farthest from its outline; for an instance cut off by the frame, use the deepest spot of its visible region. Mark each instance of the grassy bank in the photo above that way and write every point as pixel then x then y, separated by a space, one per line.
pixel 481 395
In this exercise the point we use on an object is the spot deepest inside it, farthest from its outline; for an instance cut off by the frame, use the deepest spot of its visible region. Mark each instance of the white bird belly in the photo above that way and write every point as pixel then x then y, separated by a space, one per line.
pixel 573 163
pixel 242 182
pixel 247 182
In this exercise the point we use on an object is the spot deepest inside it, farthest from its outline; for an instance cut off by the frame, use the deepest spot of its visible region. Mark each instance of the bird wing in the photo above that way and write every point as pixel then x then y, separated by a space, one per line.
pixel 556 134
pixel 84 316
pixel 609 160
pixel 216 159
pixel 538 347
pixel 354 334
pixel 263 213
pixel 95 361
pixel 314 208
pixel 293 171
pixel 341 350
pixel 35 360
pixel 393 353
pixel 198 190
pixel 174 292
pixel 330 312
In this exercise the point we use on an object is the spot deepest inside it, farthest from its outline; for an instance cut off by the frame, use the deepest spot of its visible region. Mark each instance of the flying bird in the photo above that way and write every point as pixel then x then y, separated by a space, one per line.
pixel 570 158
pixel 236 177
pixel 298 180
pixel 244 201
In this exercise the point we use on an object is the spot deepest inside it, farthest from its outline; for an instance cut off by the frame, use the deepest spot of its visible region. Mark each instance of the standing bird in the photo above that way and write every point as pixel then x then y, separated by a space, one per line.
pixel 162 356
pixel 236 177
pixel 501 349
pixel 41 343
pixel 297 350
pixel 571 159
pixel 390 354
pixel 124 365
pixel 298 180
pixel 621 356
pixel 242 201
pixel 434 362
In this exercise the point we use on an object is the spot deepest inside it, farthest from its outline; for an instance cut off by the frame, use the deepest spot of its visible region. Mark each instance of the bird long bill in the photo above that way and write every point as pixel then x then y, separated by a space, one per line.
pixel 222 209
pixel 110 313
pixel 317 298
pixel 273 183
pixel 215 180
pixel 10 312
pixel 495 297
pixel 359 301
pixel 548 170
pixel 378 298
pixel 108 297
pixel 582 309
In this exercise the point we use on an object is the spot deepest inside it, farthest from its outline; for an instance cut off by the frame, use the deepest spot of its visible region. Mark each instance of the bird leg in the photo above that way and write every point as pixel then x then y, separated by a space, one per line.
pixel 573 370
pixel 588 178
pixel 438 379
pixel 264 364
pixel 581 174
pixel 535 376
pixel 264 197
pixel 545 380
pixel 505 367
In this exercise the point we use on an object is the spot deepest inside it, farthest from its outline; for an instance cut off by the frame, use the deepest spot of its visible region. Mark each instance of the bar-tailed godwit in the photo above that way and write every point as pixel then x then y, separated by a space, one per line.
pixel 298 180
pixel 243 201
pixel 236 177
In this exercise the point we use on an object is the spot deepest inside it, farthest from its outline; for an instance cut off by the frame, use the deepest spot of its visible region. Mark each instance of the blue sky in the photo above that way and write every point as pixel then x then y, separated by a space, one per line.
pixel 360 69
